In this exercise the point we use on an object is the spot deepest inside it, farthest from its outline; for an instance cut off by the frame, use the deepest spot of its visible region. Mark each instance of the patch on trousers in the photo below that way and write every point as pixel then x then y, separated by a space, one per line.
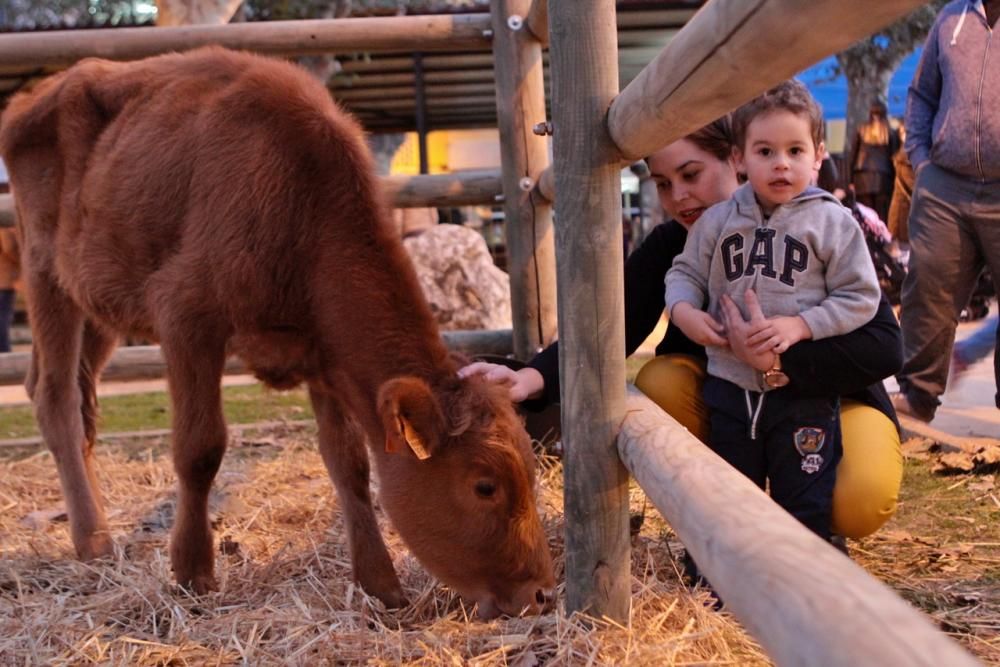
pixel 808 442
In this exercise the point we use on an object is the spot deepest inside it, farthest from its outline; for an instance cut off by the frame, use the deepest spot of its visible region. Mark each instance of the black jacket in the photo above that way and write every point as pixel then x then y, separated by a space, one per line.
pixel 852 366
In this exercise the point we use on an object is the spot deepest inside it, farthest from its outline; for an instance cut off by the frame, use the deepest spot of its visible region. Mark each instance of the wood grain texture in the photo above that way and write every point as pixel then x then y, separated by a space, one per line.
pixel 145 362
pixel 520 103
pixel 805 602
pixel 730 51
pixel 459 189
pixel 584 72
pixel 444 190
pixel 317 36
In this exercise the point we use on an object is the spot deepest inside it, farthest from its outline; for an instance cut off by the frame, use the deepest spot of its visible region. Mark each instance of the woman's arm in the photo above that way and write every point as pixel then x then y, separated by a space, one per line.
pixel 645 270
pixel 850 362
pixel 829 367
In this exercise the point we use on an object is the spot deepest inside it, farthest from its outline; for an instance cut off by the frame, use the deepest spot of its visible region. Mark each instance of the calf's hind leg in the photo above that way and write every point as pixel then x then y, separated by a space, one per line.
pixel 341 443
pixel 54 384
pixel 194 373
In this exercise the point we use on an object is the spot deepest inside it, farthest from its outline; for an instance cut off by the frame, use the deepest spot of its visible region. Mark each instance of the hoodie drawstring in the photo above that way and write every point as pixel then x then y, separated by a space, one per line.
pixel 753 414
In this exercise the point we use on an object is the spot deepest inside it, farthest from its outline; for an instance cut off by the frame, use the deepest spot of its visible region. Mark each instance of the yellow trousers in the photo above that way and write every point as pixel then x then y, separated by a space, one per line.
pixel 868 476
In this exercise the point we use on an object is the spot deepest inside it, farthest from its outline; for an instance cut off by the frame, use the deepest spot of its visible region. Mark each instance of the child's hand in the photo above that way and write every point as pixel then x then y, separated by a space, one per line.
pixel 778 334
pixel 698 325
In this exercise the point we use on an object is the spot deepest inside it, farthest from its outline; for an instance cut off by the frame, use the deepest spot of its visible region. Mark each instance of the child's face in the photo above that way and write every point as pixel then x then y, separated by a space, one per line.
pixel 778 157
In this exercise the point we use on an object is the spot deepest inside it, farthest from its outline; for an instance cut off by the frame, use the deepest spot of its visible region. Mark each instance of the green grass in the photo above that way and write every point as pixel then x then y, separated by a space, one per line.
pixel 143 412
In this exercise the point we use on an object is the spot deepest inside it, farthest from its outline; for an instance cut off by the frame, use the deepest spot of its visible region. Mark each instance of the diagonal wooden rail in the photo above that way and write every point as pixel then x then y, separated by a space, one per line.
pixel 802 599
pixel 730 51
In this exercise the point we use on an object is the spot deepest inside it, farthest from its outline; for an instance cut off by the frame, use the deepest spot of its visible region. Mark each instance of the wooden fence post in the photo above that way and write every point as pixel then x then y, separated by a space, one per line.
pixel 584 70
pixel 520 100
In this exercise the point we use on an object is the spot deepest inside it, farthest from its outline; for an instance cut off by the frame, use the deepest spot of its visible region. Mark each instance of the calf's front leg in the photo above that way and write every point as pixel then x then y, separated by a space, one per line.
pixel 342 445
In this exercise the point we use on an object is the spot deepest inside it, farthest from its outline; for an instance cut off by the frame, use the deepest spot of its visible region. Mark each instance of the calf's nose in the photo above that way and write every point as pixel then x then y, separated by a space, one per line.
pixel 546 599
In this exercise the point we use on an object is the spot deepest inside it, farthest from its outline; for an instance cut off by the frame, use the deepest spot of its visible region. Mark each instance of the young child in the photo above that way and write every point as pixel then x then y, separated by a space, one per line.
pixel 805 257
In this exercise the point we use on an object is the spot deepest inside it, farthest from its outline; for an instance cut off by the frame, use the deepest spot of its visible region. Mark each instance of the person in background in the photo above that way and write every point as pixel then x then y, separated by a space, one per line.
pixel 953 142
pixel 871 163
pixel 902 195
pixel 9 269
pixel 692 174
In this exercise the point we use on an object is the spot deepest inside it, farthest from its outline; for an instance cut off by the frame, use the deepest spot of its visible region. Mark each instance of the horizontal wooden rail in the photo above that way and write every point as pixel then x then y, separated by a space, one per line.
pixel 457 189
pixel 450 90
pixel 145 362
pixel 451 32
pixel 6 210
pixel 725 55
pixel 805 602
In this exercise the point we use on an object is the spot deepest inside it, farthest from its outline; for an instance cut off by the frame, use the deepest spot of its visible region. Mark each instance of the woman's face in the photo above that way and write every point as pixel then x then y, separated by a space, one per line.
pixel 689 180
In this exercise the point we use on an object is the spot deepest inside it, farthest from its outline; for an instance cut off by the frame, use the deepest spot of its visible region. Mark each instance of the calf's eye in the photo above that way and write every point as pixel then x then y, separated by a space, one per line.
pixel 485 488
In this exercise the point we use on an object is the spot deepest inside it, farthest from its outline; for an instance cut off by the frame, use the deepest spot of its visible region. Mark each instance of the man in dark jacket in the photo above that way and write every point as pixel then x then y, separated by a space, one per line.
pixel 953 141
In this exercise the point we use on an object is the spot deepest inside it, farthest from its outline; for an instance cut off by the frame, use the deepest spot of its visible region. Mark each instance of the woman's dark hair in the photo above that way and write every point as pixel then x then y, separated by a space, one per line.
pixel 715 138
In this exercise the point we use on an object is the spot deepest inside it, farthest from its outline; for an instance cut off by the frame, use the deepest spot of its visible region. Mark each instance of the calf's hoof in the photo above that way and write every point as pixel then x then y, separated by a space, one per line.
pixel 94 545
pixel 387 590
pixel 200 584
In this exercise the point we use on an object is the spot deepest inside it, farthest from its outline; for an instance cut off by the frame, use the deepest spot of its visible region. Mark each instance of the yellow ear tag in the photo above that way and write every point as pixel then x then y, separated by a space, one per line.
pixel 415 442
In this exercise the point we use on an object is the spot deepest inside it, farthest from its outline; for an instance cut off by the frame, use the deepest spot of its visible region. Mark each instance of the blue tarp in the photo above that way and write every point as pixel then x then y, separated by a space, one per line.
pixel 831 93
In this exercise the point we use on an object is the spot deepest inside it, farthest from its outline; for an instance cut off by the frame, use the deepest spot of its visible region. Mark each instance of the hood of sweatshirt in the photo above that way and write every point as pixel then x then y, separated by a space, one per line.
pixel 746 201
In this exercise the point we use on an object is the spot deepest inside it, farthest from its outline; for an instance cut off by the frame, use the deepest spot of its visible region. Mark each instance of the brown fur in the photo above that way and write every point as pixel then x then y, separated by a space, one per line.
pixel 221 203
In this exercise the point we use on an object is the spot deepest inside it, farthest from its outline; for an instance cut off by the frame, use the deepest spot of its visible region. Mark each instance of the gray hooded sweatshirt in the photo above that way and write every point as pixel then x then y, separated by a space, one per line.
pixel 809 258
pixel 953 107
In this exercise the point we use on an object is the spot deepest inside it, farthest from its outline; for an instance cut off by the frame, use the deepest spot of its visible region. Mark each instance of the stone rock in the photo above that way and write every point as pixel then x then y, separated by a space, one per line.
pixel 464 287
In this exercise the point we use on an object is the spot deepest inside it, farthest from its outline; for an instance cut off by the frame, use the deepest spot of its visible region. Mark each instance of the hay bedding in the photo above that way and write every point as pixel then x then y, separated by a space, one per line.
pixel 286 595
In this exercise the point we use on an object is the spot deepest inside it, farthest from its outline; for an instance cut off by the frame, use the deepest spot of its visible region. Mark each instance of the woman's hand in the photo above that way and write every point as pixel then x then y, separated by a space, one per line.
pixel 739 330
pixel 779 334
pixel 698 325
pixel 522 385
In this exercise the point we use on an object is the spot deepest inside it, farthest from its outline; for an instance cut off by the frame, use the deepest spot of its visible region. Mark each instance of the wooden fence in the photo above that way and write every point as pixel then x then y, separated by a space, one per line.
pixel 806 603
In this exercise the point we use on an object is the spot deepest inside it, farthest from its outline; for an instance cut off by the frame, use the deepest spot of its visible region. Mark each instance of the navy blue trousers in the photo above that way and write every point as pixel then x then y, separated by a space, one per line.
pixel 792 443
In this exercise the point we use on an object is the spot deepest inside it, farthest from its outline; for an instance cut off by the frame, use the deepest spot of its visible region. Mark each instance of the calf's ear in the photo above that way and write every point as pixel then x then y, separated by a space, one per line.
pixel 411 416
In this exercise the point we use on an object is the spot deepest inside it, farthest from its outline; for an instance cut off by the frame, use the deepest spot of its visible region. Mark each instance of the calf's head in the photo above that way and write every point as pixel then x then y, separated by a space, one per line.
pixel 459 486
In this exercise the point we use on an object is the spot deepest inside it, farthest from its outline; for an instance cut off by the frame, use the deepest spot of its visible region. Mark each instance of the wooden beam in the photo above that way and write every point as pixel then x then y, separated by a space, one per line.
pixel 405 64
pixel 462 189
pixel 7 214
pixel 520 103
pixel 439 91
pixel 725 56
pixel 804 601
pixel 471 102
pixel 583 54
pixel 350 81
pixel 145 362
pixel 318 36
pixel 537 20
pixel 674 18
pixel 459 189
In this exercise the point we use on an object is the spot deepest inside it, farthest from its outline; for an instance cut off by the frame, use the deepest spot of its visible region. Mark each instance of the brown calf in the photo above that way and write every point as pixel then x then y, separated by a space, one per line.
pixel 221 203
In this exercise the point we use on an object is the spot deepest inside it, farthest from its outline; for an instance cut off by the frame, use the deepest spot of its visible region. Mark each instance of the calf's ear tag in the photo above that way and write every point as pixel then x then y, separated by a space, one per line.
pixel 414 440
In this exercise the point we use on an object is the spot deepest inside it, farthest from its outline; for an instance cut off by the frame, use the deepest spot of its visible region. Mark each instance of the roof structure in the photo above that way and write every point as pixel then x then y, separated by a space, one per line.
pixel 399 92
